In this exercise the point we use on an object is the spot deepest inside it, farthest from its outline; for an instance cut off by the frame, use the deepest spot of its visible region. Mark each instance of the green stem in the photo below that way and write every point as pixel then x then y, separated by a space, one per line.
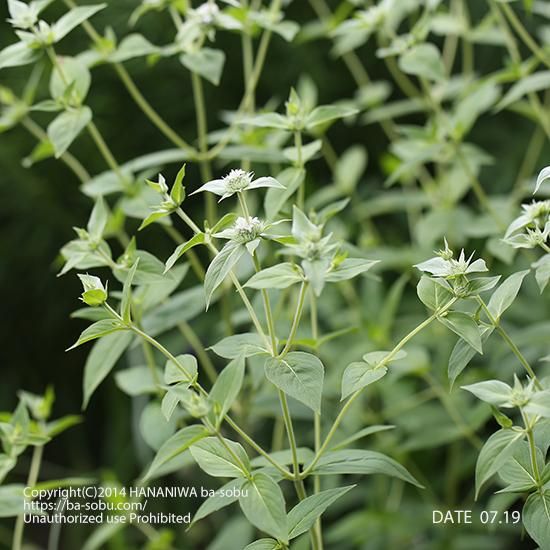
pixel 135 93
pixel 504 335
pixel 150 112
pixel 300 165
pixel 267 309
pixel 195 228
pixel 524 34
pixel 296 319
pixel 355 395
pixel 199 388
pixel 71 161
pixel 32 478
pixel 202 129
pixel 249 94
pixel 198 347
pixel 532 450
pixel 150 360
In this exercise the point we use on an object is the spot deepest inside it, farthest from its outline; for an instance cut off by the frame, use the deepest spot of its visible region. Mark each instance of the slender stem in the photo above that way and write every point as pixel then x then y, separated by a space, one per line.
pixel 296 320
pixel 91 127
pixel 195 228
pixel 524 35
pixel 136 94
pixel 504 335
pixel 532 449
pixel 150 360
pixel 545 247
pixel 290 432
pixel 71 161
pixel 194 341
pixel 244 207
pixel 202 129
pixel 355 395
pixel 268 311
pixel 196 385
pixel 32 478
pixel 300 164
pixel 150 112
pixel 249 94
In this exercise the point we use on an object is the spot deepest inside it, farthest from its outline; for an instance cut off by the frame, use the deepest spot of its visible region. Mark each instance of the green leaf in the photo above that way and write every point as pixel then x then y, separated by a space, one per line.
pixel 496 451
pixel 536 518
pixel 173 374
pixel 177 194
pixel 98 220
pixel 199 238
pixel 360 434
pixel 98 330
pixel 424 61
pixel 263 544
pixel 518 472
pixel 16 55
pixel 154 427
pixel 279 276
pixel 267 120
pixel 543 176
pixel 526 85
pixel 126 302
pixel 220 267
pixel 215 459
pixel 246 344
pixel 542 273
pixel 102 535
pixel 463 353
pixel 328 113
pixel 433 293
pixel 463 325
pixel 539 404
pixel 76 76
pixel 7 463
pixel 177 444
pixel 358 461
pixel 227 387
pixel 362 373
pixel 12 501
pixel 153 217
pixel 137 381
pixel 132 46
pixel 224 496
pixel 306 512
pixel 307 152
pixel 264 506
pixel 73 18
pixel 505 294
pixel 348 269
pixel 64 129
pixel 275 199
pixel 102 359
pixel 299 375
pixel 206 62
pixel 494 392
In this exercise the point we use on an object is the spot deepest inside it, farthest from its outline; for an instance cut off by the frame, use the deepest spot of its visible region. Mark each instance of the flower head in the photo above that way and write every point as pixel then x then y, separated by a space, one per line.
pixel 535 214
pixel 207 13
pixel 237 181
pixel 23 16
pixel 444 264
pixel 94 293
pixel 244 230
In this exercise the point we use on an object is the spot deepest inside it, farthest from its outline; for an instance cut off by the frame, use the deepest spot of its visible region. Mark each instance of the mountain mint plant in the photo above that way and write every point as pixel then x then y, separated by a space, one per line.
pixel 275 313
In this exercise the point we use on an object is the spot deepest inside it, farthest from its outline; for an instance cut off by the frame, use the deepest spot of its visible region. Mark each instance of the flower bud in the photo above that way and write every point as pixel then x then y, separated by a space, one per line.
pixel 94 293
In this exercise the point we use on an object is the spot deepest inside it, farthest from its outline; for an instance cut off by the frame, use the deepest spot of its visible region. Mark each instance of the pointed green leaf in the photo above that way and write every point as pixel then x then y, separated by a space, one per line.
pixel 306 512
pixel 215 459
pixel 177 444
pixel 536 518
pixel 299 375
pixel 126 303
pixel 66 127
pixel 227 387
pixel 102 359
pixel 264 506
pixel 98 330
pixel 199 238
pixel 220 267
pixel 505 294
pixel 463 325
pixel 279 276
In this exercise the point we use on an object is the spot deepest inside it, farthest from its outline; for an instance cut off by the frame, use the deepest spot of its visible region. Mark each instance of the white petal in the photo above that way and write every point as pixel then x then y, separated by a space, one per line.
pixel 266 182
pixel 478 265
pixel 215 186
pixel 436 266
